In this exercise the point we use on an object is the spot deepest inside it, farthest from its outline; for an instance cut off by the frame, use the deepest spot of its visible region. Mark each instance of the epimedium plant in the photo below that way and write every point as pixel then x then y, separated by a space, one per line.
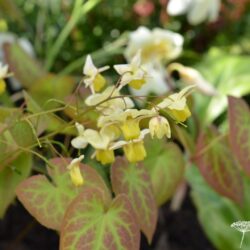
pixel 70 196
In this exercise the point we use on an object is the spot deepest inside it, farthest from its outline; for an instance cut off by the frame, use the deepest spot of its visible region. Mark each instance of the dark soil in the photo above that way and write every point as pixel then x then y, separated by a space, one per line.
pixel 175 231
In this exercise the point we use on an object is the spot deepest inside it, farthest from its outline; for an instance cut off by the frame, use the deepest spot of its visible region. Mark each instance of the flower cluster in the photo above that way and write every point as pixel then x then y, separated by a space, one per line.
pixel 119 122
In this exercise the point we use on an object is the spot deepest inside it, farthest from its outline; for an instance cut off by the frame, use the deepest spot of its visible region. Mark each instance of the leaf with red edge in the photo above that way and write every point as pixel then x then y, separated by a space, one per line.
pixel 24 67
pixel 165 164
pixel 134 181
pixel 93 223
pixel 218 166
pixel 239 125
pixel 47 201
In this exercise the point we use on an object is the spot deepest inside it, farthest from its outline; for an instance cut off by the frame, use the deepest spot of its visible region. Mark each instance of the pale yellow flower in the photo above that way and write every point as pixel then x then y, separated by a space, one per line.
pixel 159 126
pixel 75 171
pixel 109 106
pixel 134 149
pixel 94 79
pixel 128 121
pixel 176 104
pixel 132 73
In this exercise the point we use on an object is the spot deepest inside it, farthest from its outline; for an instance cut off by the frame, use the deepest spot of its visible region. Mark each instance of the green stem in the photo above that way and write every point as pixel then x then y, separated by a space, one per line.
pixel 79 11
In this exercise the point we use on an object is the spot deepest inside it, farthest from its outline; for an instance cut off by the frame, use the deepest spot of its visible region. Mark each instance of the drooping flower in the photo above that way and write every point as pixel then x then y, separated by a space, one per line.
pixel 192 76
pixel 94 79
pixel 111 106
pixel 134 149
pixel 75 171
pixel 197 11
pixel 128 121
pixel 159 126
pixel 3 74
pixel 132 74
pixel 156 46
pixel 176 104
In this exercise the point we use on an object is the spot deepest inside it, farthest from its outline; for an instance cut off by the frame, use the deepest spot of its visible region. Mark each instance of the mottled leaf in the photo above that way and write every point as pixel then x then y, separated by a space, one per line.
pixel 239 126
pixel 10 177
pixel 47 201
pixel 24 67
pixel 134 181
pixel 165 167
pixel 92 223
pixel 218 166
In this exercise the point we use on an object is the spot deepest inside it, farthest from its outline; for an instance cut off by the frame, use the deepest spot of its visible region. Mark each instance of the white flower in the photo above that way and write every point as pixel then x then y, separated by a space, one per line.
pixel 94 79
pixel 156 46
pixel 197 11
pixel 132 73
pixel 3 71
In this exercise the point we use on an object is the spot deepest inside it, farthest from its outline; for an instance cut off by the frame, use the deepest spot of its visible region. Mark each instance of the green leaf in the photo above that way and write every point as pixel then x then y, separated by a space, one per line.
pixel 22 134
pixel 217 165
pixel 10 177
pixel 165 167
pixel 217 213
pixel 47 201
pixel 51 87
pixel 239 125
pixel 229 74
pixel 42 120
pixel 95 224
pixel 24 67
pixel 134 181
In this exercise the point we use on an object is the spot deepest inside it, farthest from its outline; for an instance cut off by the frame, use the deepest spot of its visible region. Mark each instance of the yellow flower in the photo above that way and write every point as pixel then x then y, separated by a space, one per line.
pixel 114 105
pixel 159 126
pixel 134 149
pixel 132 73
pixel 75 172
pixel 176 104
pixel 128 121
pixel 94 79
pixel 105 156
pixel 2 86
pixel 3 74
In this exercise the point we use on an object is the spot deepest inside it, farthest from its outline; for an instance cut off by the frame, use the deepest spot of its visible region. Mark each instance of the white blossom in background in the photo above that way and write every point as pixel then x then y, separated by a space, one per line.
pixel 197 11
pixel 157 46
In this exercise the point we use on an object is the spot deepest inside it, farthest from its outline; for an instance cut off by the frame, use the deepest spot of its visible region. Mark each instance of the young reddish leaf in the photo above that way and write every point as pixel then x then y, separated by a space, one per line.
pixel 92 223
pixel 15 172
pixel 217 165
pixel 166 168
pixel 24 67
pixel 134 181
pixel 47 201
pixel 239 125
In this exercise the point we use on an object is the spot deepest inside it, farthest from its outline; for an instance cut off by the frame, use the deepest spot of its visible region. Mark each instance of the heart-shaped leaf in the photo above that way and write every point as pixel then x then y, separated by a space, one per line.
pixel 134 181
pixel 218 166
pixel 165 167
pixel 91 222
pixel 239 125
pixel 15 172
pixel 47 201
